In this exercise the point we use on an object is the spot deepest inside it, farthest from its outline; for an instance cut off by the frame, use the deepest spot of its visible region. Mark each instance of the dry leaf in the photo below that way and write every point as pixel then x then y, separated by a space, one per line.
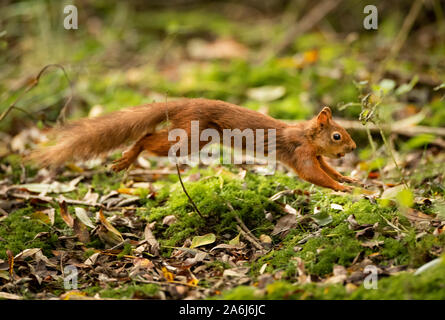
pixel 112 235
pixel 284 224
pixel 169 220
pixel 151 240
pixel 65 214
pixel 81 213
pixel 9 296
pixel 81 231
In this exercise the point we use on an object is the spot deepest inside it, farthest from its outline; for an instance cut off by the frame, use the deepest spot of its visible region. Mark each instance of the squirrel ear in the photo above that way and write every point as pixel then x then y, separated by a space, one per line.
pixel 324 116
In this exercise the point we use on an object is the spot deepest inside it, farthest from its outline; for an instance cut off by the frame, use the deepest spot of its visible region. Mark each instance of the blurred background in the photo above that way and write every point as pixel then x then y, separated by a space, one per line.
pixel 286 58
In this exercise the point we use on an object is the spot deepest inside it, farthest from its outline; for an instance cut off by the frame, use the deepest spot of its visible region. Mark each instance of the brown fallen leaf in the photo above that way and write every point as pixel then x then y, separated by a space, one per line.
pixel 65 214
pixel 284 224
pixel 169 220
pixel 199 256
pixel 107 232
pixel 367 232
pixel 81 231
pixel 151 240
pixel 228 246
pixel 414 215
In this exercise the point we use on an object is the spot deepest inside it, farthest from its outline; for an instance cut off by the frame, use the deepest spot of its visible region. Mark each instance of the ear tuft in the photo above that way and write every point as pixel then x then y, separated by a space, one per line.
pixel 324 116
pixel 328 111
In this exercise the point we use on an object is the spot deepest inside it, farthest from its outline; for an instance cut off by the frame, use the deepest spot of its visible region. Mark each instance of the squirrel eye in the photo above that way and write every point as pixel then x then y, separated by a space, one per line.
pixel 336 136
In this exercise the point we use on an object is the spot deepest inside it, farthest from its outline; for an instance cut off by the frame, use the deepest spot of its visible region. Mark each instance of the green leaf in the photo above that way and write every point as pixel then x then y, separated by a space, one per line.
pixel 407 87
pixel 440 86
pixel 405 198
pixel 322 218
pixel 235 241
pixel 391 193
pixel 203 240
pixel 386 85
pixel 418 141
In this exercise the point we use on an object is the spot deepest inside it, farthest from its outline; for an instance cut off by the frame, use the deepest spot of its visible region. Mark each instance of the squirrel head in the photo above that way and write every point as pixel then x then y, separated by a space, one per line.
pixel 329 137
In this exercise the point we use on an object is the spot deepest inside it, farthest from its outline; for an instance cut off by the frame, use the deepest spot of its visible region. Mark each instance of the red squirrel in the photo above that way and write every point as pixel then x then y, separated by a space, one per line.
pixel 301 147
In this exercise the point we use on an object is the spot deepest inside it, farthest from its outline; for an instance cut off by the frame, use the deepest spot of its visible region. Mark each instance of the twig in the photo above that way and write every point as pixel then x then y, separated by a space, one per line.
pixel 33 84
pixel 249 238
pixel 391 153
pixel 244 230
pixel 52 199
pixel 241 223
pixel 186 193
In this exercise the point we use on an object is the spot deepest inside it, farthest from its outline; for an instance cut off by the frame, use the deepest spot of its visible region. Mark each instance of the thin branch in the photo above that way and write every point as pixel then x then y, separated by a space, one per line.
pixel 249 238
pixel 244 230
pixel 186 193
pixel 34 83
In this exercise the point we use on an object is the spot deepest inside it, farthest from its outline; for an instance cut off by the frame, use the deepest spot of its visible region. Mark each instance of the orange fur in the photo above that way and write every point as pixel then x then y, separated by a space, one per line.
pixel 300 146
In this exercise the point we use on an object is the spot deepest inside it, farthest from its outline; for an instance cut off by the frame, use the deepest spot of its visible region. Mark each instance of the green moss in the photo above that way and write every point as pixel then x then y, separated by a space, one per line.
pixel 212 193
pixel 15 161
pixel 130 291
pixel 428 285
pixel 88 253
pixel 106 181
pixel 19 229
pixel 240 293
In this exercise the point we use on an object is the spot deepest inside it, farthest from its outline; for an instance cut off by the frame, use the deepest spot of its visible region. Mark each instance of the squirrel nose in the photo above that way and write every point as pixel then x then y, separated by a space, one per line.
pixel 352 148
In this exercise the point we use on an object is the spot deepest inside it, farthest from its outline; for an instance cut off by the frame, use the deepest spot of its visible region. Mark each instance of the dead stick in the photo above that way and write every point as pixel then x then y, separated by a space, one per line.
pixel 186 193
pixel 241 223
pixel 249 238
pixel 52 199
pixel 34 83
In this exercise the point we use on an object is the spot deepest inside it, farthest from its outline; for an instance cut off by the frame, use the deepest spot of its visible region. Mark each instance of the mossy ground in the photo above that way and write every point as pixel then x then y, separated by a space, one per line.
pixel 249 195
pixel 404 286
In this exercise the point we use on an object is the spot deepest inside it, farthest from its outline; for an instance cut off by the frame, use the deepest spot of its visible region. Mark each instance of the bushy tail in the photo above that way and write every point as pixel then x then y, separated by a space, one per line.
pixel 89 138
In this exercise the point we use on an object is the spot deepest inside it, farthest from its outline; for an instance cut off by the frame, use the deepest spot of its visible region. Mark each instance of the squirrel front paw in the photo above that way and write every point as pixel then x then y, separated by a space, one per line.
pixel 349 180
pixel 343 188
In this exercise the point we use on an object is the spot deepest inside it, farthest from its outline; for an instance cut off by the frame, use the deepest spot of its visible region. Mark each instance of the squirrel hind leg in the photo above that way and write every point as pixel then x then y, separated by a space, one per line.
pixel 129 156
pixel 156 144
pixel 126 160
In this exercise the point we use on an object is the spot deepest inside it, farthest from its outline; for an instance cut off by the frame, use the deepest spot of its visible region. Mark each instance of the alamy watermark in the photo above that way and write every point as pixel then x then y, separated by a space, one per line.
pixel 70 21
pixel 371 280
pixel 371 20
pixel 70 277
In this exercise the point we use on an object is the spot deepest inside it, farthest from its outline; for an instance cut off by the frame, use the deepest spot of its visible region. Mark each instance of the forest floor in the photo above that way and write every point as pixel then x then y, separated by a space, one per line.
pixel 136 234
